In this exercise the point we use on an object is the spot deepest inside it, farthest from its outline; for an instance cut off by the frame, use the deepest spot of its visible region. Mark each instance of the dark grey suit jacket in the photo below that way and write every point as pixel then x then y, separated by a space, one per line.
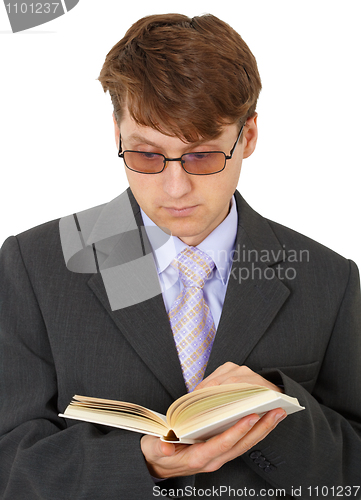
pixel 296 320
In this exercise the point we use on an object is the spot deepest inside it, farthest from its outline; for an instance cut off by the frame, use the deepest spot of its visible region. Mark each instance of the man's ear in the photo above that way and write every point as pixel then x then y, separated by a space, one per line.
pixel 116 131
pixel 250 136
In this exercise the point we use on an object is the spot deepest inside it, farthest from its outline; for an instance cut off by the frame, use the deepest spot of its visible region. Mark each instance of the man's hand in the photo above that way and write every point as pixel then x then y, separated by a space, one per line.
pixel 166 460
pixel 230 373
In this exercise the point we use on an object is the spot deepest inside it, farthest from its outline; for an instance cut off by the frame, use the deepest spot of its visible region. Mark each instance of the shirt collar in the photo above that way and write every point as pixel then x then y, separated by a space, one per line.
pixel 218 244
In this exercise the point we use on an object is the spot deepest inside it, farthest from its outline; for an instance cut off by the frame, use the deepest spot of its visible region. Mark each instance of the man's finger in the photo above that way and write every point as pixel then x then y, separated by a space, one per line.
pixel 153 448
pixel 257 430
pixel 221 443
pixel 168 449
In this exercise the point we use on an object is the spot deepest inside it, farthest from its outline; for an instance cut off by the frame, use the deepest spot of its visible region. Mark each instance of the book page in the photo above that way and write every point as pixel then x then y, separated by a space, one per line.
pixel 213 402
pixel 116 413
pixel 202 399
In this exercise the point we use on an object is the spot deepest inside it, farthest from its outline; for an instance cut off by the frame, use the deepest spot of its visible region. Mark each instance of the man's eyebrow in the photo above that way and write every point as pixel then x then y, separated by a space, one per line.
pixel 139 138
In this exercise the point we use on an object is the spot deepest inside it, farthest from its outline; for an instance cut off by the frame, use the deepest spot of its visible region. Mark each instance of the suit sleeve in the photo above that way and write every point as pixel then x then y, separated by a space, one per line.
pixel 39 457
pixel 321 446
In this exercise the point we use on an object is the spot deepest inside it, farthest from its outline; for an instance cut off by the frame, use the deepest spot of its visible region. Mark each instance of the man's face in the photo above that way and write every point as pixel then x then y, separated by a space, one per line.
pixel 189 206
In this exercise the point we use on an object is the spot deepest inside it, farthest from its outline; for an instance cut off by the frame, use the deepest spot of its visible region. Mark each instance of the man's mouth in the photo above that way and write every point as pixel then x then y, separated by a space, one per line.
pixel 181 211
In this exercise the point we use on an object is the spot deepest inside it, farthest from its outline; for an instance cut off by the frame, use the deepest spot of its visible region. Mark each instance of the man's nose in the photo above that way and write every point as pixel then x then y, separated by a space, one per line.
pixel 176 181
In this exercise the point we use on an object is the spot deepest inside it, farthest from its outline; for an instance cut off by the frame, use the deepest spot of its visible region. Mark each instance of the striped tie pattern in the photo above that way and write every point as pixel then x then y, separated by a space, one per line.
pixel 190 317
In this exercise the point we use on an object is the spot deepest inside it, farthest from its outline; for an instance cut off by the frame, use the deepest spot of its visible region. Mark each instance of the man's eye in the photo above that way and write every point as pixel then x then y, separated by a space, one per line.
pixel 149 156
pixel 197 156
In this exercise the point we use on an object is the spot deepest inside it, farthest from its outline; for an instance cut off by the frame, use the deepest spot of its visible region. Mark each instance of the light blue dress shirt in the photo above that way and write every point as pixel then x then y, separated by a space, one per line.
pixel 218 245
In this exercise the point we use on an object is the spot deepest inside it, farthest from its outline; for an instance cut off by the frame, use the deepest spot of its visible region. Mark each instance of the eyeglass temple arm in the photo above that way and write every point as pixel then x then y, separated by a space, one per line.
pixel 235 144
pixel 120 146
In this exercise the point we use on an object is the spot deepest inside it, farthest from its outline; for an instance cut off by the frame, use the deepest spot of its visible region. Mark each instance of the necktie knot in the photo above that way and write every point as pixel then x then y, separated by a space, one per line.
pixel 194 267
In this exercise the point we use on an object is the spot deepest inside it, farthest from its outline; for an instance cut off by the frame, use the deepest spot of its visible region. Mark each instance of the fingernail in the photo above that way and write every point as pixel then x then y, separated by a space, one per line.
pixel 280 417
pixel 253 421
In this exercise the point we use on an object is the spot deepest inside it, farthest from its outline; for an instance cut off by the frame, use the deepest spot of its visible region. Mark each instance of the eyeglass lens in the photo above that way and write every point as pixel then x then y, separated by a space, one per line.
pixel 193 163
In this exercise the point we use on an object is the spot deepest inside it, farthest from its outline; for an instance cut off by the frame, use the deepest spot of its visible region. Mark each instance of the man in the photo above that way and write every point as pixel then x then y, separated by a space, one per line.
pixel 88 303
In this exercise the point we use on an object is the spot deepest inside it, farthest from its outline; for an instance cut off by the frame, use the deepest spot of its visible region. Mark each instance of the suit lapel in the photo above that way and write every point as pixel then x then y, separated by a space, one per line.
pixel 254 293
pixel 143 319
pixel 146 328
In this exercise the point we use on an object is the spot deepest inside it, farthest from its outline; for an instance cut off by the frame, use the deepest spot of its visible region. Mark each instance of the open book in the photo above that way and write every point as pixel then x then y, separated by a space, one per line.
pixel 194 417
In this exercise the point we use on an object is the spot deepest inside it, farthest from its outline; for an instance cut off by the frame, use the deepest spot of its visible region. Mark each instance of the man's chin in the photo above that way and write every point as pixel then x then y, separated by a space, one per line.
pixel 191 238
pixel 184 230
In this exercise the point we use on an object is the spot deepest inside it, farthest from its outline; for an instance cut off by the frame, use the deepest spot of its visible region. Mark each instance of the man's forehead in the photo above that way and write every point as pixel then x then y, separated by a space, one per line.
pixel 135 132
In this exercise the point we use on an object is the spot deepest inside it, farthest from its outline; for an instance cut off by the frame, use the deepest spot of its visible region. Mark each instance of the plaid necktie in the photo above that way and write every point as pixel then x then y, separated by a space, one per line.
pixel 190 317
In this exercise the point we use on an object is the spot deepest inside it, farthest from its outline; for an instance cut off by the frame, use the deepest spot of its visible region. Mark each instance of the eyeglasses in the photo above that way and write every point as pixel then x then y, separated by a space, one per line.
pixel 198 163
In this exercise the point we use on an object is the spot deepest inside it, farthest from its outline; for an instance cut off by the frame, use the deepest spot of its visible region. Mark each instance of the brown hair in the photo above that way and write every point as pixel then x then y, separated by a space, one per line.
pixel 181 76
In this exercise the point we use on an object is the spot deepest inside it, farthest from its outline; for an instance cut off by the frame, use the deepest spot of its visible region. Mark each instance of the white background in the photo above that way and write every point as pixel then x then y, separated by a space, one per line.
pixel 57 151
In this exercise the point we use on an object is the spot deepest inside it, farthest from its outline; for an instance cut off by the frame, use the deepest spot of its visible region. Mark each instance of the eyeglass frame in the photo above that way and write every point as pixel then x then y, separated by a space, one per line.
pixel 166 160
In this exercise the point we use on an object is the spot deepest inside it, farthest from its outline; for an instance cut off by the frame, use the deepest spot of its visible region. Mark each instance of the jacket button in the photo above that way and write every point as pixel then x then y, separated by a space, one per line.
pixel 255 454
pixel 269 468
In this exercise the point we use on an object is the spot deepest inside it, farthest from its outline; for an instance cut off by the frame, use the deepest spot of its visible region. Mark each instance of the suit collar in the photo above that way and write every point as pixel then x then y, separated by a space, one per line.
pixel 260 239
pixel 116 217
